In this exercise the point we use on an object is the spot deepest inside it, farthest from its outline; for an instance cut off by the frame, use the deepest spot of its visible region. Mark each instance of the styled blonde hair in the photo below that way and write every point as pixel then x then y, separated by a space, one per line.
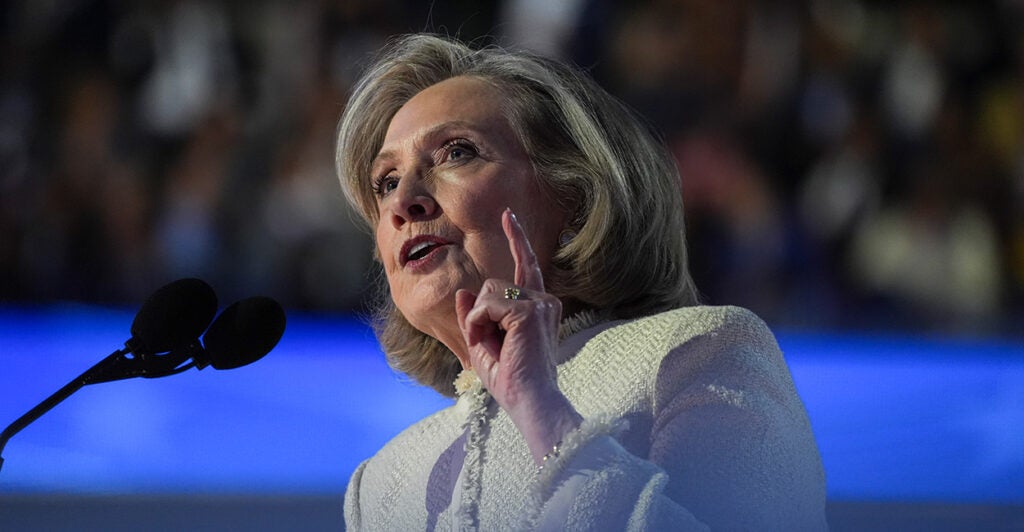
pixel 595 156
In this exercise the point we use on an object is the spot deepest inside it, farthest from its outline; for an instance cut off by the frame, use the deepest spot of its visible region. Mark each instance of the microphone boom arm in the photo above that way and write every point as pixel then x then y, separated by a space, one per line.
pixel 55 399
pixel 116 366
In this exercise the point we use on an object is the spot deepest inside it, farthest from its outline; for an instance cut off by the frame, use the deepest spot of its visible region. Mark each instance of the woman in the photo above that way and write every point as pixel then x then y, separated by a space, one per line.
pixel 531 232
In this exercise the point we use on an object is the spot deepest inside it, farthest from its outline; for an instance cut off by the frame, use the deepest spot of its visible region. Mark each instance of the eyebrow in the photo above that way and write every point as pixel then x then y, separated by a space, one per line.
pixel 430 133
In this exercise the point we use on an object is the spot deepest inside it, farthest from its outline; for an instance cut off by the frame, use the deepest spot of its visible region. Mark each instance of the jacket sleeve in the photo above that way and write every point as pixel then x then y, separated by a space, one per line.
pixel 731 448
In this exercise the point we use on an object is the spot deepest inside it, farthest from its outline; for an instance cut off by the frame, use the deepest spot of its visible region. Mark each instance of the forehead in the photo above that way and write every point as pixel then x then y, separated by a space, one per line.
pixel 463 100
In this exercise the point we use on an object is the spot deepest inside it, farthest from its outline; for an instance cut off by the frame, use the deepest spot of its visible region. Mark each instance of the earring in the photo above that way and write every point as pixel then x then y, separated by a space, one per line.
pixel 565 237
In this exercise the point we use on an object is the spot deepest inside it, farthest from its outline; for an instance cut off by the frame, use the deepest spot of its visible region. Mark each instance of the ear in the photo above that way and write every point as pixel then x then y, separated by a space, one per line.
pixel 565 237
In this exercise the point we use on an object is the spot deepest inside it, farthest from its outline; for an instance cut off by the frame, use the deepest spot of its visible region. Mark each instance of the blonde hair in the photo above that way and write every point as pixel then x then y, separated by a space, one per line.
pixel 594 154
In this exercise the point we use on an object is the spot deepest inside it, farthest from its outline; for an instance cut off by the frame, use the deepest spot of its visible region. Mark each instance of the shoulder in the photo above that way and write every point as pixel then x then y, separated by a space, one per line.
pixel 723 356
pixel 635 359
pixel 419 438
pixel 720 331
pixel 660 334
pixel 404 461
pixel 710 340
pixel 687 322
pixel 693 348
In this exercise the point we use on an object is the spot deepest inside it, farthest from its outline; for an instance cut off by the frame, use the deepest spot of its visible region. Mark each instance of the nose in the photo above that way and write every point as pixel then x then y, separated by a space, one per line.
pixel 411 202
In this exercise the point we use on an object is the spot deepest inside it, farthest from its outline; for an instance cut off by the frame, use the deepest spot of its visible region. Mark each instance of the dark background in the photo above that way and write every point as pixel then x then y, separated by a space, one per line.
pixel 846 165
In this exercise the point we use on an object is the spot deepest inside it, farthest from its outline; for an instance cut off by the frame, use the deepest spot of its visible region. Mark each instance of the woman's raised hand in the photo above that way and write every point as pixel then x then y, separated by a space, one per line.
pixel 510 341
pixel 511 334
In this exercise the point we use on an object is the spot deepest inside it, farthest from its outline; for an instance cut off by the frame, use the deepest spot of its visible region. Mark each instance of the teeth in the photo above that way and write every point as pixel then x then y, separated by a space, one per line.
pixel 419 250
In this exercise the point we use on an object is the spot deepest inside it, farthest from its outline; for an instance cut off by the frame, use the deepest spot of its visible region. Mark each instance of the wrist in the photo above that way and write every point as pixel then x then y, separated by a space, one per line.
pixel 544 421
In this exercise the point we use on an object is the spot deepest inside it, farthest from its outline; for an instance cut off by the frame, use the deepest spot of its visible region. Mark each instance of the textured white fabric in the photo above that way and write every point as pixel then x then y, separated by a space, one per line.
pixel 691 422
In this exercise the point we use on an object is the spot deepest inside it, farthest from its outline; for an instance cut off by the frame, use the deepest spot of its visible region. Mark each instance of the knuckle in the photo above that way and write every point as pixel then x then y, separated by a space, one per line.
pixel 548 302
pixel 491 285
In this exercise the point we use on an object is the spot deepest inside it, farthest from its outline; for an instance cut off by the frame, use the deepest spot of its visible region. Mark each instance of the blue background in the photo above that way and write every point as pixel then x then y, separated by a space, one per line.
pixel 897 417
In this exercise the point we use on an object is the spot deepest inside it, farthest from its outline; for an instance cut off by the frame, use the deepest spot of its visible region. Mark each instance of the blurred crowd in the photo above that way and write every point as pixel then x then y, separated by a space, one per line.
pixel 845 163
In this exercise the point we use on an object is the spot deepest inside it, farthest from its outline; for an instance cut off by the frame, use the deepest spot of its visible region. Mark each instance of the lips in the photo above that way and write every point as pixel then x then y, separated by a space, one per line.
pixel 420 247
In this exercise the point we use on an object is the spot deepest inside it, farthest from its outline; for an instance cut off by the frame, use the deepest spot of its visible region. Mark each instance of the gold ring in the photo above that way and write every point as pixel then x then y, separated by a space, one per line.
pixel 512 293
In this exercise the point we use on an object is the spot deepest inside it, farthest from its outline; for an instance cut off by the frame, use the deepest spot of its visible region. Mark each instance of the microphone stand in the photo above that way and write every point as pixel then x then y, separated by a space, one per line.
pixel 116 366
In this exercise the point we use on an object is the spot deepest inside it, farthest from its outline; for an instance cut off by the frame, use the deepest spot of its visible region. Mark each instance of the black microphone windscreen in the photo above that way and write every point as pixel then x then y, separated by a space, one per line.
pixel 173 316
pixel 245 332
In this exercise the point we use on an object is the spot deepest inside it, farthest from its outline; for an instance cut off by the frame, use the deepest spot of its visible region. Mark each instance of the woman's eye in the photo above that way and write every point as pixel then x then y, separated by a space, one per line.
pixel 383 185
pixel 458 150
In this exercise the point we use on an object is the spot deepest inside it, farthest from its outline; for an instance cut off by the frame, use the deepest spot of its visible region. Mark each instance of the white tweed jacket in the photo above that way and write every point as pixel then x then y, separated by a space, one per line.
pixel 691 423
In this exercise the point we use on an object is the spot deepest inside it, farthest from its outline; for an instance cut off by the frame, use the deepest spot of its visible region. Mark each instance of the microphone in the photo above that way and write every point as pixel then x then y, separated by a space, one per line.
pixel 174 315
pixel 170 318
pixel 165 335
pixel 242 334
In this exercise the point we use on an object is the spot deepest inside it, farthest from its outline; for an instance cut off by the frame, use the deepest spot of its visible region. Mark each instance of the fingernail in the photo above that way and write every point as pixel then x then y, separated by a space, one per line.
pixel 512 214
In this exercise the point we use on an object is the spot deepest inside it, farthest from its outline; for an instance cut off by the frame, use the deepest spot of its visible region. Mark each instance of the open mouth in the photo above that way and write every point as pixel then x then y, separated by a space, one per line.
pixel 420 248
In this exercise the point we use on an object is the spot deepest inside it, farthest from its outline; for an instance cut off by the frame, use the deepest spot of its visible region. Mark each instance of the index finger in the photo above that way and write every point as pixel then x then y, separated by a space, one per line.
pixel 528 273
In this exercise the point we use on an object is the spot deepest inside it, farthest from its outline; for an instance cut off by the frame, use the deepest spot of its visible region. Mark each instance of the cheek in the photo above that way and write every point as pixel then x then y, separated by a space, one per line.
pixel 382 238
pixel 477 206
pixel 466 201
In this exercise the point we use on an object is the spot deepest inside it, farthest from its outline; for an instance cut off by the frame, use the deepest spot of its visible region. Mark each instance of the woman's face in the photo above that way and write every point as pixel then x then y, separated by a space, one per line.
pixel 450 164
